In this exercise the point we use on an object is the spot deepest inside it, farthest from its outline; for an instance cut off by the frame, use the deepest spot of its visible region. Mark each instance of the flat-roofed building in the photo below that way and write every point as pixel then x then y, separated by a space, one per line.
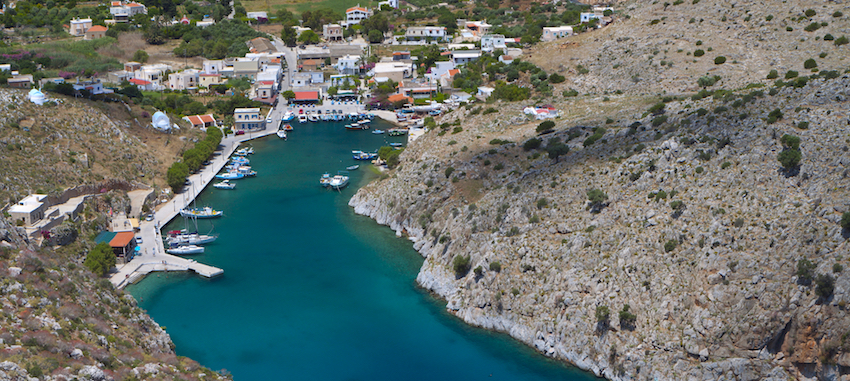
pixel 30 209
pixel 248 119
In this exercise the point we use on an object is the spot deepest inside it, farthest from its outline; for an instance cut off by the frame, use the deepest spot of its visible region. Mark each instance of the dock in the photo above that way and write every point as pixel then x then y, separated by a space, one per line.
pixel 152 256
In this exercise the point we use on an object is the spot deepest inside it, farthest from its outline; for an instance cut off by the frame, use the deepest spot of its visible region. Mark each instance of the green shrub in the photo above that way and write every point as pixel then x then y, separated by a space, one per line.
pixel 100 259
pixel 790 158
pixel 489 110
pixel 670 245
pixel 825 285
pixel 596 196
pixel 837 268
pixel 602 314
pixel 773 74
pixel 841 41
pixel 845 221
pixel 677 205
pixel 545 126
pixel 725 165
pixel 499 166
pixel 556 78
pixel 495 266
pixel 699 53
pixel 803 125
pixel 790 141
pixel 739 222
pixel 627 319
pixel 659 120
pixel 479 271
pixel 812 27
pixel 810 12
pixel 720 60
pixel 810 64
pixel 542 203
pixel 828 37
pixel 461 265
pixel 449 171
pixel 598 133
pixel 657 108
pixel 837 14
pixel 530 144
pixel 699 170
pixel 805 271
pixel 774 115
pixel 570 93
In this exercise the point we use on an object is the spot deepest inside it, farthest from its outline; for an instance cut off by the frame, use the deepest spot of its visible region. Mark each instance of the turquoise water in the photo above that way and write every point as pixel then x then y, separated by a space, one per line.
pixel 312 291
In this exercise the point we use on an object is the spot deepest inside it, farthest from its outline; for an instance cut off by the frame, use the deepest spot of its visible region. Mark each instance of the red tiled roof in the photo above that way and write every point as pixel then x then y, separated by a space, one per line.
pixel 121 239
pixel 140 82
pixel 453 72
pixel 352 9
pixel 422 91
pixel 306 95
pixel 116 3
pixel 209 75
pixel 198 120
pixel 135 5
pixel 398 97
pixel 266 82
pixel 97 28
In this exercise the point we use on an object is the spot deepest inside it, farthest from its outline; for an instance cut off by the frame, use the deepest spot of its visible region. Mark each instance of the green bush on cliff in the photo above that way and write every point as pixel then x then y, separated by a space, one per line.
pixel 845 221
pixel 100 259
pixel 461 265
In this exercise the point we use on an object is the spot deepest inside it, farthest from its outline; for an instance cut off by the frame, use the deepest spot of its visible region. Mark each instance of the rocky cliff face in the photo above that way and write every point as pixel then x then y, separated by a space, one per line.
pixel 700 235
pixel 59 322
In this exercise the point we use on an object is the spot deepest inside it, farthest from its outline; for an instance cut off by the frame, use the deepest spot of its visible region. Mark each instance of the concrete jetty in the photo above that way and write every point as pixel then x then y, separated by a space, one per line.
pixel 152 256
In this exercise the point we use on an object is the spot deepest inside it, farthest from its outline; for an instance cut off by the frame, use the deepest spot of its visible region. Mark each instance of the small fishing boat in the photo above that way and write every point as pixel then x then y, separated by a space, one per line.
pixel 230 176
pixel 365 156
pixel 377 131
pixel 325 180
pixel 287 127
pixel 302 118
pixel 226 184
pixel 353 167
pixel 313 117
pixel 353 126
pixel 281 134
pixel 184 238
pixel 185 250
pixel 205 212
pixel 339 182
pixel 244 151
pixel 240 160
pixel 364 119
pixel 396 144
pixel 400 117
pixel 288 116
pixel 396 132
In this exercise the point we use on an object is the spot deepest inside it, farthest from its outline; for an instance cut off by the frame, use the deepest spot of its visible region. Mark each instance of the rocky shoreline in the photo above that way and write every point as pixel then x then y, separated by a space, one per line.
pixel 711 285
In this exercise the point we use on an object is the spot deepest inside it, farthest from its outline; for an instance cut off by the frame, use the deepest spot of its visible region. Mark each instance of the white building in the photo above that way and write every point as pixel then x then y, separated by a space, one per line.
pixel 79 27
pixel 152 74
pixel 248 119
pixel 556 32
pixel 587 16
pixel 389 3
pixel 439 69
pixel 426 33
pixel 29 210
pixel 348 65
pixel 461 57
pixel 213 66
pixel 355 15
pixel 394 70
pixel 93 87
pixel 491 42
pixel 332 32
pixel 485 92
pixel 123 12
pixel 184 80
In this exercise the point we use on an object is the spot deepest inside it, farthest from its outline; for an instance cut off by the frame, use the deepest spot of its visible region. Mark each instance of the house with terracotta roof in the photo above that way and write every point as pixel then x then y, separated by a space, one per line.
pixel 123 244
pixel 398 98
pixel 310 65
pixel 142 84
pixel 95 32
pixel 201 121
pixel 355 15
pixel 305 97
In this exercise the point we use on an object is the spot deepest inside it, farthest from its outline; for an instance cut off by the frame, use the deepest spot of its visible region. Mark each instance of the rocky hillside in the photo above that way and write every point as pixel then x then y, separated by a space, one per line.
pixel 656 47
pixel 697 229
pixel 71 142
pixel 59 322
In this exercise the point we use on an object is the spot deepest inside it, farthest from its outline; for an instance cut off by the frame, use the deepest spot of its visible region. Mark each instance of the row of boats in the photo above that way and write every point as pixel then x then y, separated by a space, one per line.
pixel 329 116
pixel 183 242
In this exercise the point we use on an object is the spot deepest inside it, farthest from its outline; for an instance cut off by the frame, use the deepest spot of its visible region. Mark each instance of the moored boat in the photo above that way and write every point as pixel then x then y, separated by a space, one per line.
pixel 226 184
pixel 288 116
pixel 205 212
pixel 230 176
pixel 185 250
pixel 313 117
pixel 339 181
pixel 353 167
pixel 397 132
pixel 377 131
pixel 287 127
pixel 302 118
pixel 325 180
pixel 281 134
pixel 365 156
pixel 190 239
pixel 396 144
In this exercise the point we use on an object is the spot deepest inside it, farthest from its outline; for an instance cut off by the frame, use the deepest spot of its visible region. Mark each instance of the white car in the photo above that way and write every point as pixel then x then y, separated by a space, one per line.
pixel 138 239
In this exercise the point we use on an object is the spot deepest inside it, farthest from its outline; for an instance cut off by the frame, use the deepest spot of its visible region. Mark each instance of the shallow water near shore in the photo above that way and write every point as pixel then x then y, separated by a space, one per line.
pixel 312 291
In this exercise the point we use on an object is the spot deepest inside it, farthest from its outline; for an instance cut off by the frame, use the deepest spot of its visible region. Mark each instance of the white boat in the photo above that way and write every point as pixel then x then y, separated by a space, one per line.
pixel 229 176
pixel 377 131
pixel 353 167
pixel 288 116
pixel 313 117
pixel 325 180
pixel 240 160
pixel 339 182
pixel 226 184
pixel 205 212
pixel 365 119
pixel 281 134
pixel 185 250
pixel 190 239
pixel 302 118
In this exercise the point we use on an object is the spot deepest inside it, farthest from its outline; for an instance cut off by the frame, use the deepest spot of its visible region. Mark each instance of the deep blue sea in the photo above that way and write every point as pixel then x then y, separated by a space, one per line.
pixel 312 291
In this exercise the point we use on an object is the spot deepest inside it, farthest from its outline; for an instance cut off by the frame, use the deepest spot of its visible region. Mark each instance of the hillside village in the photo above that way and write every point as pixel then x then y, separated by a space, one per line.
pixel 580 109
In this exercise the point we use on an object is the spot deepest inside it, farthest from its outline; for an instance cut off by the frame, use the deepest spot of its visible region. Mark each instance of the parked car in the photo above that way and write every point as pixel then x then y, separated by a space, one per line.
pixel 240 132
pixel 149 217
pixel 138 239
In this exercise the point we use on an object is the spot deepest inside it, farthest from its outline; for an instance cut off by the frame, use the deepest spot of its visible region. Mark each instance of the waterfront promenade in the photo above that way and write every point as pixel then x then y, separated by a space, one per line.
pixel 152 256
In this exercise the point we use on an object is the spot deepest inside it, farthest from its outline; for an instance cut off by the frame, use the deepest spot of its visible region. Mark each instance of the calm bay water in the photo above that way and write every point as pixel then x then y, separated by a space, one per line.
pixel 312 291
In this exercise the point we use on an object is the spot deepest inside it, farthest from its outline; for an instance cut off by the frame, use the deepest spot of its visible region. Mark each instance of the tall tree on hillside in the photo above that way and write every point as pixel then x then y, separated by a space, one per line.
pixel 308 37
pixel 288 35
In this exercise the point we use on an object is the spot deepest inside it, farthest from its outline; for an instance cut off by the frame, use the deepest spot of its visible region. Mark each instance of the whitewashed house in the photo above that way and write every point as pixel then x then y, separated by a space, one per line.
pixel 426 33
pixel 79 27
pixel 184 80
pixel 491 42
pixel 556 32
pixel 355 15
pixel 587 16
pixel 348 65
